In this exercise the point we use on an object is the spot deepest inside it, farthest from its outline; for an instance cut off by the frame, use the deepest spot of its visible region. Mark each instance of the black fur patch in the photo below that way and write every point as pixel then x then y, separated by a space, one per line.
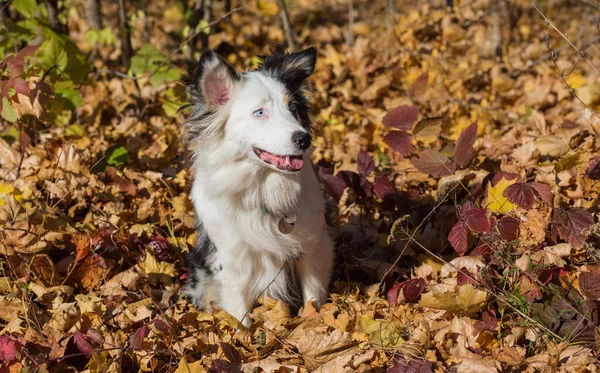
pixel 197 258
pixel 292 69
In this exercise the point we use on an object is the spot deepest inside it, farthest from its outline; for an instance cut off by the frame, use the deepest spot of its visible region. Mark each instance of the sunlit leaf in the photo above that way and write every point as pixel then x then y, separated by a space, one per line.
pixel 398 141
pixel 434 163
pixel 463 151
pixel 495 200
pixel 402 117
pixel 572 224
pixel 419 86
pixel 459 238
pixel 520 194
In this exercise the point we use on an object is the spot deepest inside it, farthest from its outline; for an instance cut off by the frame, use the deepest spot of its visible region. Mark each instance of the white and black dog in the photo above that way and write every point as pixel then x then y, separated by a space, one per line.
pixel 260 211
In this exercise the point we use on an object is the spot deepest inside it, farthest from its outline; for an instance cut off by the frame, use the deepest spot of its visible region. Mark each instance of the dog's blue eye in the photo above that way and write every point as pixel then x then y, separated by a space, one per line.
pixel 259 113
pixel 293 107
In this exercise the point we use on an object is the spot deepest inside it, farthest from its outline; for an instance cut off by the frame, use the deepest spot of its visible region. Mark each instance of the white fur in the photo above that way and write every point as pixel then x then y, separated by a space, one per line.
pixel 232 189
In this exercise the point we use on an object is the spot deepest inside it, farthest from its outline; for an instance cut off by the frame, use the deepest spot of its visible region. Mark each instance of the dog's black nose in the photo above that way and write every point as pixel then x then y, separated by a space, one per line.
pixel 301 139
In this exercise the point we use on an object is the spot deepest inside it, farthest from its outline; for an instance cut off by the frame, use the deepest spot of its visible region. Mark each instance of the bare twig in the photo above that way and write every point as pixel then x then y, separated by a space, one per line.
pixel 580 53
pixel 562 76
pixel 290 36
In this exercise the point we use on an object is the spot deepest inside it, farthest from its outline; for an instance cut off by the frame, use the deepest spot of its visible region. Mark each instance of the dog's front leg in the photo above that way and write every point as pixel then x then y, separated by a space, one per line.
pixel 314 270
pixel 234 294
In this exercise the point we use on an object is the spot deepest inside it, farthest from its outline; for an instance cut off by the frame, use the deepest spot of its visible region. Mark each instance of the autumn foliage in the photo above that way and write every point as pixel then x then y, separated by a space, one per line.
pixel 458 139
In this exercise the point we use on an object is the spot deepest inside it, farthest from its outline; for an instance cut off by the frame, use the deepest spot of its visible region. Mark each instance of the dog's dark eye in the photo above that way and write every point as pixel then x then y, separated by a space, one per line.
pixel 292 107
pixel 259 113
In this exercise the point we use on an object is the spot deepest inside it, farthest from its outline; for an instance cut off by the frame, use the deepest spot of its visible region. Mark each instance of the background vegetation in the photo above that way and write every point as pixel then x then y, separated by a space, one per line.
pixel 459 138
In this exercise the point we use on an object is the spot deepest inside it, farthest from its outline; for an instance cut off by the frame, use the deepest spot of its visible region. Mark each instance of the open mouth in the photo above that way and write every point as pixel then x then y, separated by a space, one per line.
pixel 290 163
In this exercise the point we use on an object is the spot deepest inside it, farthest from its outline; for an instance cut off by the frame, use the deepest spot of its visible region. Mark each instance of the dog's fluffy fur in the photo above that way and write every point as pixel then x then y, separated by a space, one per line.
pixel 261 223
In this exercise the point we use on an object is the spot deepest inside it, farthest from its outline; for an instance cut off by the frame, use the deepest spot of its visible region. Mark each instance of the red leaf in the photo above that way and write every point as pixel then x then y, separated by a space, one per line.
pixel 402 117
pixel 84 344
pixel 589 284
pixel 520 194
pixel 593 170
pixel 8 349
pixel 366 165
pixel 334 185
pixel 464 277
pixel 544 191
pixel 419 86
pixel 392 294
pixel 476 217
pixel 459 238
pixel 231 354
pixel 508 227
pixel 398 141
pixel 21 86
pixel 504 175
pixel 463 151
pixel 571 224
pixel 383 187
pixel 137 338
pixel 434 163
pixel 413 289
pixel 411 365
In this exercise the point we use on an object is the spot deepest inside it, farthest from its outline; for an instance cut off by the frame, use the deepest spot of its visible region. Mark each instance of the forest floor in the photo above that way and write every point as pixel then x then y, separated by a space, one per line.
pixel 461 144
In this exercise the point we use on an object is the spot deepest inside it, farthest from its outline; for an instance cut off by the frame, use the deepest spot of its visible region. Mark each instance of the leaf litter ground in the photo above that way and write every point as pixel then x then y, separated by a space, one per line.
pixel 465 170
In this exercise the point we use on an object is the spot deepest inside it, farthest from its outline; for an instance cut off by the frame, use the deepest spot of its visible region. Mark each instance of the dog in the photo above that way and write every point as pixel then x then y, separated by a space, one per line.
pixel 260 210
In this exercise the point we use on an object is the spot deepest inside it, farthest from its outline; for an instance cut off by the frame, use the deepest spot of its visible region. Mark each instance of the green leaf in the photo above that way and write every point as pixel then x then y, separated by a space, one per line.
pixel 92 36
pixel 72 97
pixel 204 26
pixel 25 7
pixel 107 37
pixel 117 155
pixel 10 135
pixel 171 108
pixel 52 53
pixel 8 112
pixel 74 130
pixel 166 75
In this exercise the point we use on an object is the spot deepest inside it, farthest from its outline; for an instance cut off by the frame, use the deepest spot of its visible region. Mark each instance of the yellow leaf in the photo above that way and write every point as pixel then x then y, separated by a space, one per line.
pixel 464 298
pixel 495 200
pixel 575 80
pixel 380 332
pixel 268 7
pixel 185 367
pixel 4 190
pixel 163 272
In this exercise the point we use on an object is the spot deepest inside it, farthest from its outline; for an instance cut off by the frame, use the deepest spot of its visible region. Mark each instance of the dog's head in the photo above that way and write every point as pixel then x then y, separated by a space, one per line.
pixel 264 113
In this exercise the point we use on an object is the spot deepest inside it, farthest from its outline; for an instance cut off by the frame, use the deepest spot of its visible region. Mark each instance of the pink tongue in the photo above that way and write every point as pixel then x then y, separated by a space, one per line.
pixel 297 163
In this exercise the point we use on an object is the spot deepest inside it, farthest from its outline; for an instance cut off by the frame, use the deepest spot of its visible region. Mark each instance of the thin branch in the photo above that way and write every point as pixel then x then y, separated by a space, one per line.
pixel 581 53
pixel 287 28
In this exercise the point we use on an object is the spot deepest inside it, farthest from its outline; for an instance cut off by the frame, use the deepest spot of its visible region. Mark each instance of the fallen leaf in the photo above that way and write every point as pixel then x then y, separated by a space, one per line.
pixel 495 200
pixel 464 298
pixel 402 117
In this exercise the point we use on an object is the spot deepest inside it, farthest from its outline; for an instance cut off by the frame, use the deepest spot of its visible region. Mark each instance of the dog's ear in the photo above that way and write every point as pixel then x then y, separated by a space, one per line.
pixel 212 82
pixel 304 61
pixel 291 68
